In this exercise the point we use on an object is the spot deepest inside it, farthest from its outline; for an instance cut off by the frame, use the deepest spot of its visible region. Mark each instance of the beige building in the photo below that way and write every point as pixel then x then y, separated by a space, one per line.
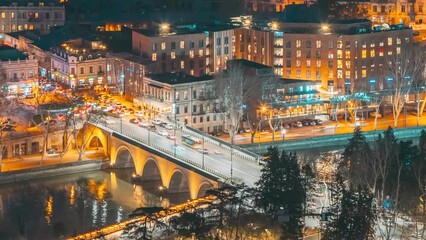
pixel 16 66
pixel 79 62
pixel 17 18
pixel 187 99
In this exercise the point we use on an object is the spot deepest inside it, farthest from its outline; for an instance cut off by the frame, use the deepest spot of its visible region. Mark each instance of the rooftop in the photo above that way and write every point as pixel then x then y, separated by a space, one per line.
pixel 178 78
pixel 132 58
pixel 155 31
pixel 8 53
pixel 250 64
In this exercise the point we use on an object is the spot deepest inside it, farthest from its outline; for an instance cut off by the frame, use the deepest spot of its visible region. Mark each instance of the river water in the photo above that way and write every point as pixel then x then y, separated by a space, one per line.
pixel 63 206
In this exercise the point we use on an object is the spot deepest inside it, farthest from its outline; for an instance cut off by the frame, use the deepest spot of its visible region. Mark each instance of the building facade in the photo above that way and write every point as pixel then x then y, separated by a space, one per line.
pixel 187 99
pixel 17 18
pixel 179 52
pixel 79 63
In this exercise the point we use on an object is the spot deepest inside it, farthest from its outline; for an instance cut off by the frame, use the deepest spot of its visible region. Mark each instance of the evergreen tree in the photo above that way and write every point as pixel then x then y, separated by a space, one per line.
pixel 355 158
pixel 280 187
pixel 355 217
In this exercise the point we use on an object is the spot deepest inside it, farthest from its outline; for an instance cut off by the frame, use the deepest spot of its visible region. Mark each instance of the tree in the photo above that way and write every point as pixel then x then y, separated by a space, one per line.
pixel 280 187
pixel 406 69
pixel 192 223
pixel 233 90
pixel 333 9
pixel 355 216
pixel 355 158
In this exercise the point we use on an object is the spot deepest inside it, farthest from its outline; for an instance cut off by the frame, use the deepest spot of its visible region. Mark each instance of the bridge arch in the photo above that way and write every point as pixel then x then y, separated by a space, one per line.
pixel 202 189
pixel 151 170
pixel 91 133
pixel 178 182
pixel 123 158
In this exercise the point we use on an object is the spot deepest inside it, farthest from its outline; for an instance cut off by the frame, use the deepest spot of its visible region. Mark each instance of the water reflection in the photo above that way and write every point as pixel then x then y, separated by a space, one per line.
pixel 72 204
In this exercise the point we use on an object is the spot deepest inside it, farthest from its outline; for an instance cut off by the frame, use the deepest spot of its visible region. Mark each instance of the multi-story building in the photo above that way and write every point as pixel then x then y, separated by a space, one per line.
pixel 182 51
pixel 340 55
pixel 17 70
pixel 79 62
pixel 187 99
pixel 17 18
pixel 127 71
pixel 269 6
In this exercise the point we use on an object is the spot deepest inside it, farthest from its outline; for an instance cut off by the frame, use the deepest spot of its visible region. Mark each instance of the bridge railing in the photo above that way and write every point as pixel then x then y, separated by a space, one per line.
pixel 118 130
pixel 236 150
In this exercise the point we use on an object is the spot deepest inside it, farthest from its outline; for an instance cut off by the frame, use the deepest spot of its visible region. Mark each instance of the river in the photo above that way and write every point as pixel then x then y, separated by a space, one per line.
pixel 63 206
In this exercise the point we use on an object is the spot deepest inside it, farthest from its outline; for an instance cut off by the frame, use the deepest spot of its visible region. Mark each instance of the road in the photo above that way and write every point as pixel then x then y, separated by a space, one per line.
pixel 218 159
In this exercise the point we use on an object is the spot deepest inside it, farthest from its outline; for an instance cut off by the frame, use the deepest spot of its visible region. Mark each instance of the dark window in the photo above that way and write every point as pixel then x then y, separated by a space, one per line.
pixel 173 45
pixel 226 40
pixel 163 56
pixel 308 54
pixel 191 64
pixel 201 43
pixel 191 44
pixel 288 63
pixel 185 109
pixel 288 44
pixel 308 44
pixel 288 54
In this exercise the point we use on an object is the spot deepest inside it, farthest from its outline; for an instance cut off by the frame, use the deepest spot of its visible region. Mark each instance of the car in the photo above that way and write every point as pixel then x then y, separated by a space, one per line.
pixel 156 121
pixel 152 128
pixel 143 124
pixel 318 121
pixel 215 133
pixel 203 150
pixel 296 124
pixel 171 136
pixel 169 126
pixel 131 111
pixel 162 124
pixel 138 114
pixel 134 121
pixel 285 125
pixel 162 132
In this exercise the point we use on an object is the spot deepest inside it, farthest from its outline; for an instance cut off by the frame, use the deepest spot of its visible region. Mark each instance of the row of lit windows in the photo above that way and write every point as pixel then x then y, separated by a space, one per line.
pixel 182 55
pixel 308 74
pixel 36 15
pixel 20 27
pixel 402 9
pixel 339 45
pixel 339 53
pixel 173 46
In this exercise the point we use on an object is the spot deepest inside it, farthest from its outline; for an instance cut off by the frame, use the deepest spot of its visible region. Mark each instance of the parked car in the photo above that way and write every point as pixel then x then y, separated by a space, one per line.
pixel 285 125
pixel 296 124
pixel 215 133
pixel 134 121
pixel 162 132
pixel 169 126
pixel 162 124
pixel 152 128
pixel 203 150
pixel 143 124
pixel 318 121
pixel 139 114
pixel 156 121
pixel 171 136
pixel 306 122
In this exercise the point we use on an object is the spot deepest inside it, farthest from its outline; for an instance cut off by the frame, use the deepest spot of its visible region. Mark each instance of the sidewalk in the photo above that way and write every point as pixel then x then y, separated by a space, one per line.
pixel 34 161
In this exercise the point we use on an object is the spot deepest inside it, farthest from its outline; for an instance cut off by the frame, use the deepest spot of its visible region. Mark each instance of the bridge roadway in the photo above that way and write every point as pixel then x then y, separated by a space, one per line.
pixel 218 160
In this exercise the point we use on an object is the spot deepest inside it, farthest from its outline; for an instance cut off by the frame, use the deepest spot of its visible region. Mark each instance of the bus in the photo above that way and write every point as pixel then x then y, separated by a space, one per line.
pixel 192 141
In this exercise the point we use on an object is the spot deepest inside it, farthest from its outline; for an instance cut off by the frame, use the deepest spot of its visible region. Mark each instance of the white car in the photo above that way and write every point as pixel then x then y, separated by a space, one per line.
pixel 169 126
pixel 171 136
pixel 139 114
pixel 163 132
pixel 143 124
pixel 156 121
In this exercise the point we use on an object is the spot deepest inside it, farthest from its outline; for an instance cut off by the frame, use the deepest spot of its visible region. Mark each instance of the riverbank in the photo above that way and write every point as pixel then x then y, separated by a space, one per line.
pixel 52 170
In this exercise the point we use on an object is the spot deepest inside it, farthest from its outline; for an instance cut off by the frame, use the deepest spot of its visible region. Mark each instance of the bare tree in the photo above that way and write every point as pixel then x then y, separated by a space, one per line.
pixel 234 88
pixel 406 69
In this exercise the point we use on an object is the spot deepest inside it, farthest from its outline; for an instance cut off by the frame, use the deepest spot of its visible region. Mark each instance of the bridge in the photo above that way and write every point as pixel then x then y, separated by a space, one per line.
pixel 179 167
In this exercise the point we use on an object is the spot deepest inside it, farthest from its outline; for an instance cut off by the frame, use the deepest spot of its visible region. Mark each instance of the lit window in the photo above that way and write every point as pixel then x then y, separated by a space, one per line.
pixel 347 54
pixel 372 53
pixel 381 52
pixel 182 64
pixel 364 73
pixel 318 43
pixel 364 53
pixel 372 44
pixel 298 73
pixel 389 41
pixel 298 53
pixel 339 74
pixel 173 55
pixel 330 55
pixel 31 27
pixel 3 15
pixel 348 74
pixel 381 43
pixel 389 53
pixel 318 73
pixel 154 57
pixel 191 54
pixel 297 63
pixel 398 40
pixel 298 43
pixel 348 64
pixel 339 54
pixel 12 15
pixel 182 44
pixel 339 64
pixel 191 72
pixel 36 15
pixel 308 63
pixel 398 50
pixel 163 46
pixel 25 26
pixel 201 52
pixel 330 74
pixel 339 44
pixel 318 63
